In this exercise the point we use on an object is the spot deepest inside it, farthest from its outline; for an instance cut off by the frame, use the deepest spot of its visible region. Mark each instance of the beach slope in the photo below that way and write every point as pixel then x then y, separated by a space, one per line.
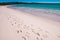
pixel 18 25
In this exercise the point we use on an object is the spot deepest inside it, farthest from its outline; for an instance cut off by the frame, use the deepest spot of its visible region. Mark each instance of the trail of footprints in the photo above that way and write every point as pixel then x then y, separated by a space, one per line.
pixel 27 30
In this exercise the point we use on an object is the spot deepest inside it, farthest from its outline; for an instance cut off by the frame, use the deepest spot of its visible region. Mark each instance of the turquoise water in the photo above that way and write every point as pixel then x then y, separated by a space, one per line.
pixel 41 10
pixel 40 6
pixel 44 8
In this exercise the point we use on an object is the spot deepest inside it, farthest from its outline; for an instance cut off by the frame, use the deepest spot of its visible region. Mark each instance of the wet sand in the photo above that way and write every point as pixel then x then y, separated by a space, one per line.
pixel 18 25
pixel 45 13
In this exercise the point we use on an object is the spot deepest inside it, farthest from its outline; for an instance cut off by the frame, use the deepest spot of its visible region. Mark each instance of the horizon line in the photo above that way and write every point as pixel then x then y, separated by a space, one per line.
pixel 39 2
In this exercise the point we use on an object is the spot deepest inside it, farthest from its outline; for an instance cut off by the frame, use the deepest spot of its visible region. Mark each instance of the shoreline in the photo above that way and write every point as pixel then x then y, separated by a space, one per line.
pixel 48 14
pixel 18 25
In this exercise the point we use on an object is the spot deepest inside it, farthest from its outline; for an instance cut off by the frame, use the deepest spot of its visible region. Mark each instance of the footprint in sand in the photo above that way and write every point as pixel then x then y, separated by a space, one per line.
pixel 58 37
pixel 20 30
pixel 14 20
pixel 17 31
pixel 37 38
pixel 11 20
pixel 24 38
pixel 18 23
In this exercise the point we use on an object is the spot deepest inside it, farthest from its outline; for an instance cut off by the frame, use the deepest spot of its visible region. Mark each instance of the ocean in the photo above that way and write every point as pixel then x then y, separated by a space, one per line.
pixel 53 6
pixel 50 11
pixel 50 8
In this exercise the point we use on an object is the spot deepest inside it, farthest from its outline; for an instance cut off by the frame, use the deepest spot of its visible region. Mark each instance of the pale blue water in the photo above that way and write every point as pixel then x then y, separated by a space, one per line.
pixel 53 10
pixel 55 6
pixel 47 8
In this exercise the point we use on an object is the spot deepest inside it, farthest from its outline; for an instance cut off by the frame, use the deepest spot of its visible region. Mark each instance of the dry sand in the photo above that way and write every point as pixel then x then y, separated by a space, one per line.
pixel 17 25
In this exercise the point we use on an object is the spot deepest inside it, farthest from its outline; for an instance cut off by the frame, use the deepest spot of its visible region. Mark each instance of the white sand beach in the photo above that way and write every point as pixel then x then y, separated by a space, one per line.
pixel 18 25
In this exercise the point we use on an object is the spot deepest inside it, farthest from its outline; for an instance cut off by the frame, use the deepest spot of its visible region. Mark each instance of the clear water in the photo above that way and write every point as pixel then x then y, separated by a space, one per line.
pixel 55 6
pixel 53 10
pixel 47 8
